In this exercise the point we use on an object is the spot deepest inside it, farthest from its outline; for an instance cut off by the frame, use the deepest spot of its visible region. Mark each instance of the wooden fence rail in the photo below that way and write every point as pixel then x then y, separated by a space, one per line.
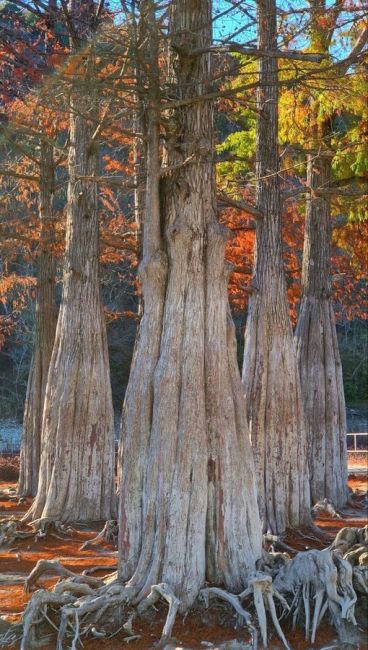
pixel 362 444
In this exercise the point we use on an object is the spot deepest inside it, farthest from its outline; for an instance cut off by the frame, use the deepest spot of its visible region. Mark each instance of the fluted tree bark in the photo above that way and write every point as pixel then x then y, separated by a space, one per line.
pixel 77 462
pixel 270 372
pixel 45 325
pixel 316 340
pixel 188 509
pixel 318 352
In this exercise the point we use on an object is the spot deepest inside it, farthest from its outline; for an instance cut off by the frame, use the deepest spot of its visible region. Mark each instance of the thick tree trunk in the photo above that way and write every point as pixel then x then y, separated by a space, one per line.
pixel 188 509
pixel 270 372
pixel 317 346
pixel 45 324
pixel 77 462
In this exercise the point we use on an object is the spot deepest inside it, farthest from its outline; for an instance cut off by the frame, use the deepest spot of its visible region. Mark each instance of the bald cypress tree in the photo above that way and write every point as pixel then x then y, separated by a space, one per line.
pixel 77 461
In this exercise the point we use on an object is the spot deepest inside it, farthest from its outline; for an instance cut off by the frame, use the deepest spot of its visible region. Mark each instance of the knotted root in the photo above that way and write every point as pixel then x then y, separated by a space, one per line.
pixel 80 602
pixel 323 577
pixel 360 579
pixel 10 494
pixel 326 507
pixel 47 526
pixel 108 534
pixel 53 566
pixel 347 537
pixel 260 585
pixel 162 590
pixel 13 529
pixel 36 606
pixel 307 587
pixel 10 532
pixel 98 567
pixel 234 600
pixel 351 544
pixel 76 604
pixel 261 588
pixel 272 561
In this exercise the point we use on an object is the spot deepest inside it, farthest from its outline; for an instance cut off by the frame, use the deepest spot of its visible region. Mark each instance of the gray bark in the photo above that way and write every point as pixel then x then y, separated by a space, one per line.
pixel 188 509
pixel 45 325
pixel 270 372
pixel 77 462
pixel 316 340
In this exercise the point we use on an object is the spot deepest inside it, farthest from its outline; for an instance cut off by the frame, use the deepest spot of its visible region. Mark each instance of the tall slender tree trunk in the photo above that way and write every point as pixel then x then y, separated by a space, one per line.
pixel 77 462
pixel 270 372
pixel 139 146
pixel 188 509
pixel 45 325
pixel 317 346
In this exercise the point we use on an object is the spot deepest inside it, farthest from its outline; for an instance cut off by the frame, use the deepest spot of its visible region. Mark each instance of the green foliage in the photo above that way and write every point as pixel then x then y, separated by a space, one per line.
pixel 241 145
pixel 238 133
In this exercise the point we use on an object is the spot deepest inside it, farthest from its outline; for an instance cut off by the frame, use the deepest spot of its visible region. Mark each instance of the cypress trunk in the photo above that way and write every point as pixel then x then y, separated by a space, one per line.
pixel 77 461
pixel 188 509
pixel 316 340
pixel 317 349
pixel 270 372
pixel 45 325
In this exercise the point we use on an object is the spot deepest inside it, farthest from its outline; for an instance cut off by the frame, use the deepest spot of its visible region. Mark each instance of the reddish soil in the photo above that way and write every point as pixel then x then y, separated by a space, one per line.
pixel 188 633
pixel 358 458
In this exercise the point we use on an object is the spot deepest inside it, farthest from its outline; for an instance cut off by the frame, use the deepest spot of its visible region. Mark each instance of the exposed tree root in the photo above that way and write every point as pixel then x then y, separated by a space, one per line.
pixel 260 584
pixel 278 544
pixel 326 507
pixel 308 587
pixel 271 561
pixel 351 544
pixel 234 600
pixel 360 579
pixel 320 576
pixel 98 567
pixel 108 534
pixel 31 618
pixel 10 532
pixel 162 590
pixel 9 637
pixel 14 529
pixel 53 566
pixel 10 494
pixel 346 538
pixel 47 525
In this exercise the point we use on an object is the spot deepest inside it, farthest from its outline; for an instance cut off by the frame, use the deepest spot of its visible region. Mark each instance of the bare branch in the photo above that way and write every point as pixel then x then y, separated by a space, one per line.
pixel 256 52
pixel 13 174
pixel 244 206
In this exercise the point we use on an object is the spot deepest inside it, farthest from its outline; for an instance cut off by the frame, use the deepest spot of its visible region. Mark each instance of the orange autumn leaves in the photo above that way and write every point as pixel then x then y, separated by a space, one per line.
pixel 349 263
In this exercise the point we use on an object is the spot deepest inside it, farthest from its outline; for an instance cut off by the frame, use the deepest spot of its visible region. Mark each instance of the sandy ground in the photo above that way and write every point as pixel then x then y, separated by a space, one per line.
pixel 17 562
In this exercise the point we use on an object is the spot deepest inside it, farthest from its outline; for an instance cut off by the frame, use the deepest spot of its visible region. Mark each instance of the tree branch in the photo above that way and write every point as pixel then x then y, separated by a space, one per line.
pixel 244 206
pixel 13 174
pixel 356 50
pixel 252 51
